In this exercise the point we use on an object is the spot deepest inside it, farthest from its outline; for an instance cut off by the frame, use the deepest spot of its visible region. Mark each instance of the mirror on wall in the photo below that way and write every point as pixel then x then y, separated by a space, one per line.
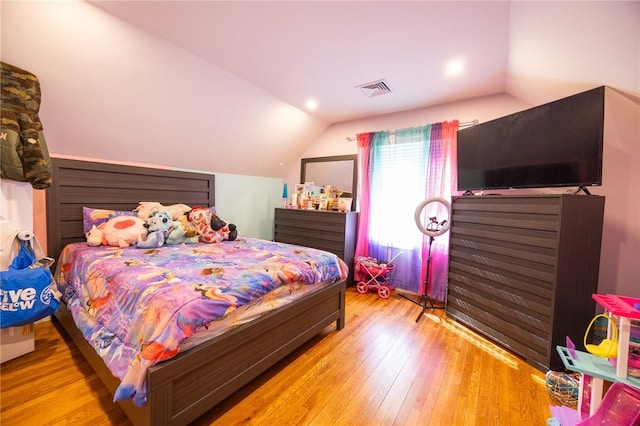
pixel 340 171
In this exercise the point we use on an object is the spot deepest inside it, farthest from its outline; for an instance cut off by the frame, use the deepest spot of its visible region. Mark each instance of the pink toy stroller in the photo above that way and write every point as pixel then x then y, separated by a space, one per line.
pixel 377 273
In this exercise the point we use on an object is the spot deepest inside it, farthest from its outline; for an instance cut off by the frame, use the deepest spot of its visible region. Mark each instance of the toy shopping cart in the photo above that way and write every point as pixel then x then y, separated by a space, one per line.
pixel 377 273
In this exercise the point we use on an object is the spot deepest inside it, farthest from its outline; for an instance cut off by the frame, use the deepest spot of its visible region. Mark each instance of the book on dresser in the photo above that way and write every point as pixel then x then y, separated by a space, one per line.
pixel 332 231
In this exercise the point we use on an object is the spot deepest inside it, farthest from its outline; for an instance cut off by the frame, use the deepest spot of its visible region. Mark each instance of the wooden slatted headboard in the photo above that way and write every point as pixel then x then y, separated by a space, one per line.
pixel 112 186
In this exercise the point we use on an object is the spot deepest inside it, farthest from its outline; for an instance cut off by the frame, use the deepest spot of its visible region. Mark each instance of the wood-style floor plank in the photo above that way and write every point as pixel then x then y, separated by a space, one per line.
pixel 383 368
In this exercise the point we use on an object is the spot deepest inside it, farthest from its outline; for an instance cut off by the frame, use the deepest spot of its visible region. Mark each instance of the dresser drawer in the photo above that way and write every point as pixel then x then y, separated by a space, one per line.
pixel 334 232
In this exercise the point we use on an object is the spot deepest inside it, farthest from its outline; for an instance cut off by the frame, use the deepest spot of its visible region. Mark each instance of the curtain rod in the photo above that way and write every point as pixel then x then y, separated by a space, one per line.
pixel 460 126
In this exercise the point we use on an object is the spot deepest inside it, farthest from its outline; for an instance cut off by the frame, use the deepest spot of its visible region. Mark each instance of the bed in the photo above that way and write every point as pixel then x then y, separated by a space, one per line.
pixel 219 366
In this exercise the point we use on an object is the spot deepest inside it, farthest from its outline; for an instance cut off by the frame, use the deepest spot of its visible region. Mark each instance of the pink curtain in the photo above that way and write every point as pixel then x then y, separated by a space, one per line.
pixel 362 242
pixel 441 182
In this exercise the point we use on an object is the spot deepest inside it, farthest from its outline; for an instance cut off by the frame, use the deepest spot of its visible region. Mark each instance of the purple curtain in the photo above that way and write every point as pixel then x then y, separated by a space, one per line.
pixel 435 145
pixel 441 182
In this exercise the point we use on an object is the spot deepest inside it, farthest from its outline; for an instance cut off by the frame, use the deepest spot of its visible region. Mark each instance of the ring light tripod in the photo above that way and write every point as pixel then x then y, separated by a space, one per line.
pixel 432 229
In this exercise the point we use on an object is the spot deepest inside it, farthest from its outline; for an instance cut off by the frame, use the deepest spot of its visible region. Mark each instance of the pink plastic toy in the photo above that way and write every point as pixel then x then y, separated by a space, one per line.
pixel 620 406
pixel 377 272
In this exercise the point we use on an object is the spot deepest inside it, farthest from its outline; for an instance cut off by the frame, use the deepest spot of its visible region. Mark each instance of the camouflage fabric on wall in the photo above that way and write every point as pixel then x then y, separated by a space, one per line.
pixel 24 155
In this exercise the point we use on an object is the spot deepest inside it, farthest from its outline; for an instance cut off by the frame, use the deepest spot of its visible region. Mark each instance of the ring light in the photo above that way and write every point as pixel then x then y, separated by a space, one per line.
pixel 433 227
pixel 432 230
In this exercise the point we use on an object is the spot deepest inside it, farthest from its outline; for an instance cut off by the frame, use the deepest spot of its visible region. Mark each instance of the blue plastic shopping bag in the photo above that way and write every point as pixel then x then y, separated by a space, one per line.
pixel 25 293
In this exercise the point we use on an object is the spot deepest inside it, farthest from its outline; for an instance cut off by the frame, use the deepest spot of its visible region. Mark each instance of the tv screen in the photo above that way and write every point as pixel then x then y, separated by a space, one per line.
pixel 558 144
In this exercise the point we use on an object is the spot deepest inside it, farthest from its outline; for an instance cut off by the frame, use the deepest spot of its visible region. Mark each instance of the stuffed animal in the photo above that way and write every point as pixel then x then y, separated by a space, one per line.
pixel 183 232
pixel 119 231
pixel 95 236
pixel 229 231
pixel 159 226
pixel 210 227
pixel 146 208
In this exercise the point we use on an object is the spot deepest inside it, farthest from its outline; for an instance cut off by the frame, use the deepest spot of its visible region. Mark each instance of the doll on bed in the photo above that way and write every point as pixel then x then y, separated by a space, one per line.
pixel 159 224
pixel 211 228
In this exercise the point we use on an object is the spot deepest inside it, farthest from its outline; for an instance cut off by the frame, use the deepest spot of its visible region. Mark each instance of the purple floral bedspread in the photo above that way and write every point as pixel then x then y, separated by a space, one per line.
pixel 136 306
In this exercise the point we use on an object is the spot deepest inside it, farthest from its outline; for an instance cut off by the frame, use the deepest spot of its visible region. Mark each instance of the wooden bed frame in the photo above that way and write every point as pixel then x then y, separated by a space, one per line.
pixel 183 388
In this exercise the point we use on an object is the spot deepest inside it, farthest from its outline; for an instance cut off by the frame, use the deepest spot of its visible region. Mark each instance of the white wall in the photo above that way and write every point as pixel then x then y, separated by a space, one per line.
pixel 584 44
pixel 620 257
pixel 113 91
pixel 249 202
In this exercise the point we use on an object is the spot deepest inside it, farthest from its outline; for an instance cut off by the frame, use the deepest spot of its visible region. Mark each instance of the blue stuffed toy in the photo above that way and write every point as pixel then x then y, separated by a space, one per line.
pixel 184 232
pixel 160 225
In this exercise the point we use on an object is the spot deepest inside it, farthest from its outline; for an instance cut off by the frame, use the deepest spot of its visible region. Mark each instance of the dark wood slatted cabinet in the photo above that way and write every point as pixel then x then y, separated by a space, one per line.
pixel 325 230
pixel 522 270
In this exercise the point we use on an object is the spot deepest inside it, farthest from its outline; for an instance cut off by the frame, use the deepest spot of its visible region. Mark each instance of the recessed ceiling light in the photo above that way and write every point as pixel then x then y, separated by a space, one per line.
pixel 455 67
pixel 311 104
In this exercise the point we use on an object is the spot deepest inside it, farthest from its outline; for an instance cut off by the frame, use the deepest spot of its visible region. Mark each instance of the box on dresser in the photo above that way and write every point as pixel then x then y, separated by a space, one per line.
pixel 332 231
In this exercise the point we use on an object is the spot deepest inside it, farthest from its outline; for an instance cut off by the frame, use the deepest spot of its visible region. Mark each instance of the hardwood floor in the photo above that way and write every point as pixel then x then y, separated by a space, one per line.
pixel 383 368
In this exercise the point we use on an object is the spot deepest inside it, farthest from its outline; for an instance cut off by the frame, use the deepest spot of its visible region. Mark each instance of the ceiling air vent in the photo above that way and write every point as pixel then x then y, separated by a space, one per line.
pixel 375 88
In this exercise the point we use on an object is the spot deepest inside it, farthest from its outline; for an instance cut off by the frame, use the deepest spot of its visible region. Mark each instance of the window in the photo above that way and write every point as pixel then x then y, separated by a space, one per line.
pixel 397 188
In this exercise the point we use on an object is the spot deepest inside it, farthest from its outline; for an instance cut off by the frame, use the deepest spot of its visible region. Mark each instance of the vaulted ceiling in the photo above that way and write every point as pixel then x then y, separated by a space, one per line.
pixel 323 50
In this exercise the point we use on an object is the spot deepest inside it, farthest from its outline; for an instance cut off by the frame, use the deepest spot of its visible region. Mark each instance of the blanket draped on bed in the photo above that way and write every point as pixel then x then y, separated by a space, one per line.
pixel 136 307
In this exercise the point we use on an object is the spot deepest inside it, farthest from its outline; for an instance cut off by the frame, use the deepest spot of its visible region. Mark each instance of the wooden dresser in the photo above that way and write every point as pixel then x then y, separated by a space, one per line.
pixel 522 270
pixel 325 230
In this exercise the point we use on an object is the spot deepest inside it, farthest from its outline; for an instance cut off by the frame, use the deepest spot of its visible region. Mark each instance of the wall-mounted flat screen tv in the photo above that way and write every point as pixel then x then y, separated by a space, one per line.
pixel 558 144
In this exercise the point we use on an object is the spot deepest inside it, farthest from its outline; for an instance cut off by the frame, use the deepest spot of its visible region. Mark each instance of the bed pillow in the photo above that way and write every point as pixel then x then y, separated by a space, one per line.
pixel 91 216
